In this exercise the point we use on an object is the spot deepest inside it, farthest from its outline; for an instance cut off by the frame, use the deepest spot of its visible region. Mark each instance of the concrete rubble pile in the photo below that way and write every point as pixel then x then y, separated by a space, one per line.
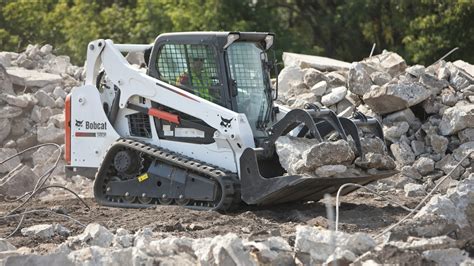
pixel 33 89
pixel 427 114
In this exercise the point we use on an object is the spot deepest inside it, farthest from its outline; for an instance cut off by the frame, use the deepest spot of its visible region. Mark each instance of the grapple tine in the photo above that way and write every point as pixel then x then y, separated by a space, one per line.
pixel 291 120
pixel 371 123
pixel 352 129
pixel 327 115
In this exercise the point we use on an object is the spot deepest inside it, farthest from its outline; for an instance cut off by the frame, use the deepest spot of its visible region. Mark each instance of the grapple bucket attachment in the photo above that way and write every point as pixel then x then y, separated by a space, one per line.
pixel 259 190
pixel 312 122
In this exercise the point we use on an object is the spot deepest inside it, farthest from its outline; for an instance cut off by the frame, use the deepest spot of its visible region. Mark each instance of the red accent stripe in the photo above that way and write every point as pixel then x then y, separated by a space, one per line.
pixel 180 93
pixel 172 118
pixel 67 126
pixel 85 134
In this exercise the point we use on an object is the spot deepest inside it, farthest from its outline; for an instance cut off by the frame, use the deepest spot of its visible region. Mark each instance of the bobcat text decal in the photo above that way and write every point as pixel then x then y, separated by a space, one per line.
pixel 82 125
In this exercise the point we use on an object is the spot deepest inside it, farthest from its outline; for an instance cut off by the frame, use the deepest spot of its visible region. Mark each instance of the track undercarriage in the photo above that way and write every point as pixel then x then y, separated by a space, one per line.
pixel 138 175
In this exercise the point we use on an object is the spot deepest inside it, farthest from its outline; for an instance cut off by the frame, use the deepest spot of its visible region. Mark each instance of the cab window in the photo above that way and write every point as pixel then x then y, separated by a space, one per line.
pixel 192 67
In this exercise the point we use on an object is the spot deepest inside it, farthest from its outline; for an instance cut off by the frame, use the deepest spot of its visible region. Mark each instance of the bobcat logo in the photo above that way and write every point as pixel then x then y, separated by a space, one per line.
pixel 226 122
pixel 79 123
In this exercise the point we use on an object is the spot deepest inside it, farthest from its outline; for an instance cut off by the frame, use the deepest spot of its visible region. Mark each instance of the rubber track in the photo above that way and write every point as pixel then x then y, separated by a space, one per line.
pixel 228 181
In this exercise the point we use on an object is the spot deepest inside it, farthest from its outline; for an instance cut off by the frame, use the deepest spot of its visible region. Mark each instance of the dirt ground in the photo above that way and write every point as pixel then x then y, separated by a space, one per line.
pixel 359 212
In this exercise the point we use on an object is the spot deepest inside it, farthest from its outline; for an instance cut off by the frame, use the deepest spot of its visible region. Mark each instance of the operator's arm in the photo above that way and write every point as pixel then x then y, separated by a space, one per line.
pixel 183 79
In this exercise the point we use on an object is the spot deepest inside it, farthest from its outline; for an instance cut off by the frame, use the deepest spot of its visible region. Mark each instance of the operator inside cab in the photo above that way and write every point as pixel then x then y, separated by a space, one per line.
pixel 197 78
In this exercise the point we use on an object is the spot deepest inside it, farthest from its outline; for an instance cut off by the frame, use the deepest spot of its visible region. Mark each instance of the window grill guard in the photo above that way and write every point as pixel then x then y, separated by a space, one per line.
pixel 192 67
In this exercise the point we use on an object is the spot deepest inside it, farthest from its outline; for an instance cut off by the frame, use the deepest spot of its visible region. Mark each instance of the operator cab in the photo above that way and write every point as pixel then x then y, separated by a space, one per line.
pixel 231 69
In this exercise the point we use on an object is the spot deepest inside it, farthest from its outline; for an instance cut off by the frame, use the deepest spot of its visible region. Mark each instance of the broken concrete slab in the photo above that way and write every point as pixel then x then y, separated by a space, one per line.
pixel 313 76
pixel 327 153
pixel 12 163
pixel 43 231
pixel 50 133
pixel 330 170
pixel 5 128
pixel 18 181
pixel 287 76
pixel 390 62
pixel 359 81
pixel 456 119
pixel 336 95
pixel 402 153
pixel 394 97
pixel 6 85
pixel 311 61
pixel 32 78
pixel 10 111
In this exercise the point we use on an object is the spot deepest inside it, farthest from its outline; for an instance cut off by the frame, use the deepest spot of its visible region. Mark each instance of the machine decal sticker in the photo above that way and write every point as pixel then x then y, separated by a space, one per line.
pixel 143 177
pixel 91 125
pixel 85 134
pixel 90 134
pixel 226 122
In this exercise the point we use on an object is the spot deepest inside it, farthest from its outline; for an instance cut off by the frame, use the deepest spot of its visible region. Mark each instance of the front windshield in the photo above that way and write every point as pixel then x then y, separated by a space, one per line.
pixel 254 93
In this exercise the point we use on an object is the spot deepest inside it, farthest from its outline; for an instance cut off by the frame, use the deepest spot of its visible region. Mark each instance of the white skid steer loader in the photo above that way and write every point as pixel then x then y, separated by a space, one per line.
pixel 198 129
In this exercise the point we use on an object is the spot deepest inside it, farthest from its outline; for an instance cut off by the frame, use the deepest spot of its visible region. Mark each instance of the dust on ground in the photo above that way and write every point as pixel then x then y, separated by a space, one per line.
pixel 359 212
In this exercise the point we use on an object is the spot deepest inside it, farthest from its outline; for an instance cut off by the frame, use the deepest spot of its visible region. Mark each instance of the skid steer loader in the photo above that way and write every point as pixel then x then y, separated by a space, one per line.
pixel 197 127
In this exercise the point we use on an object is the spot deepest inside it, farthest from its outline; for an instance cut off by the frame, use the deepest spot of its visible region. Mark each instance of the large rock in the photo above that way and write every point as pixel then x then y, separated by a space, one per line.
pixel 335 96
pixel 5 245
pixel 375 161
pixel 271 251
pixel 394 131
pixel 222 250
pixel 5 128
pixel 464 66
pixel 438 143
pixel 10 111
pixel 22 101
pixel 319 244
pixel 402 153
pixel 394 97
pixel 434 84
pixel 44 231
pixel 319 89
pixel 287 76
pixel 50 134
pixel 406 115
pixel 389 62
pixel 290 151
pixel 44 99
pixel 359 81
pixel 414 190
pixel 328 153
pixel 313 76
pixel 311 61
pixel 32 78
pixel 22 179
pixel 424 165
pixel 456 206
pixel 94 235
pixel 330 170
pixel 12 163
pixel 457 118
pixel 450 256
pixel 6 85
